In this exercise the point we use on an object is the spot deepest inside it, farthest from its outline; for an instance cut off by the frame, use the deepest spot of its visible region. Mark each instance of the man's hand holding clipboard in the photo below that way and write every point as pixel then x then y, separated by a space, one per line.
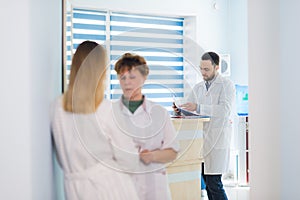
pixel 186 109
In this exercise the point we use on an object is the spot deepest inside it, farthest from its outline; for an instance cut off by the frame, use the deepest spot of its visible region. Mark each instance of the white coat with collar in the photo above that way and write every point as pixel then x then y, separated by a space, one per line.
pixel 218 103
pixel 149 127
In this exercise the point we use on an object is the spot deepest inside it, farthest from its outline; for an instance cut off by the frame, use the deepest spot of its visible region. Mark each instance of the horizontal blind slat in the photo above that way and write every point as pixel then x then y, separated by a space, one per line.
pixel 158 39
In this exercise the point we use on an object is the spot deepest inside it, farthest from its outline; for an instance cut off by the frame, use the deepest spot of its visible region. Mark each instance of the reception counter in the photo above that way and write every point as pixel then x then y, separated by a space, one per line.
pixel 184 173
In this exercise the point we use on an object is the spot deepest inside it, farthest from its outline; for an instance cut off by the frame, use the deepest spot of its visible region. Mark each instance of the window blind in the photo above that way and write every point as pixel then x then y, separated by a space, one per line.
pixel 68 48
pixel 83 25
pixel 158 39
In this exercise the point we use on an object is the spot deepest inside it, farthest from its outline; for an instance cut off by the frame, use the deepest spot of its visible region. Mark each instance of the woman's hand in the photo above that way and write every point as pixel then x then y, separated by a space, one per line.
pixel 158 156
pixel 146 156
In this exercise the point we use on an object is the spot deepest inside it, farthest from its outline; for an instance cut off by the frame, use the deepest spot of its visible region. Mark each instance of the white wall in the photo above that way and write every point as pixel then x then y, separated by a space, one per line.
pixel 238 41
pixel 274 99
pixel 15 105
pixel 264 95
pixel 290 108
pixel 30 78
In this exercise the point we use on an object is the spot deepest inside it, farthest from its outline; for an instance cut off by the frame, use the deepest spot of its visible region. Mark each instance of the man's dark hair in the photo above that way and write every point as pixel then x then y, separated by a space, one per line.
pixel 212 56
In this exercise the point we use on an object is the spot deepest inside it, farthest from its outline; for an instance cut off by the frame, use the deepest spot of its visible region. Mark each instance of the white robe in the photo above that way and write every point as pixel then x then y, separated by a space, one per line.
pixel 86 156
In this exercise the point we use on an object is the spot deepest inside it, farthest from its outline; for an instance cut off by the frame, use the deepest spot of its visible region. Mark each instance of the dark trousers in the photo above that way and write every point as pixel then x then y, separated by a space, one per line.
pixel 214 186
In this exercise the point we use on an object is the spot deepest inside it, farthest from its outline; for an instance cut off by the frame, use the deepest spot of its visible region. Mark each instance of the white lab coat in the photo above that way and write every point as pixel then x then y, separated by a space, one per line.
pixel 218 103
pixel 149 127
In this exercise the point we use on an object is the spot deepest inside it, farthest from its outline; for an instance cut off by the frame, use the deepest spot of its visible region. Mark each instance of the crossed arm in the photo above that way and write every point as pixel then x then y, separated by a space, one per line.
pixel 158 156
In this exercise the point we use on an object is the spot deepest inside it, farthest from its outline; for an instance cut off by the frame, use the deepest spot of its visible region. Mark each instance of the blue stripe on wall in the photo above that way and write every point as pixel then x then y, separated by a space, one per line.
pixel 143 15
pixel 146 21
pixel 158 77
pixel 90 11
pixel 146 30
pixel 154 58
pixel 161 67
pixel 89 36
pixel 164 77
pixel 158 67
pixel 89 16
pixel 165 58
pixel 162 86
pixel 145 49
pixel 89 26
pixel 152 86
pixel 167 95
pixel 145 39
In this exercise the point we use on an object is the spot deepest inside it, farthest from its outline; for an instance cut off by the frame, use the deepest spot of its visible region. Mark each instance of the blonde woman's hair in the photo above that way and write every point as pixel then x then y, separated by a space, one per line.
pixel 87 79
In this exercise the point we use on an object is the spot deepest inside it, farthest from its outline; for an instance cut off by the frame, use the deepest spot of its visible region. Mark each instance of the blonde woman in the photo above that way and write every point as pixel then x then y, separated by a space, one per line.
pixel 81 118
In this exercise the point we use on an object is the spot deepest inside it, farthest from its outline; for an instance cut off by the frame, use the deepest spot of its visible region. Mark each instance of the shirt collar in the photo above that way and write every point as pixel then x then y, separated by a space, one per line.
pixel 126 110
